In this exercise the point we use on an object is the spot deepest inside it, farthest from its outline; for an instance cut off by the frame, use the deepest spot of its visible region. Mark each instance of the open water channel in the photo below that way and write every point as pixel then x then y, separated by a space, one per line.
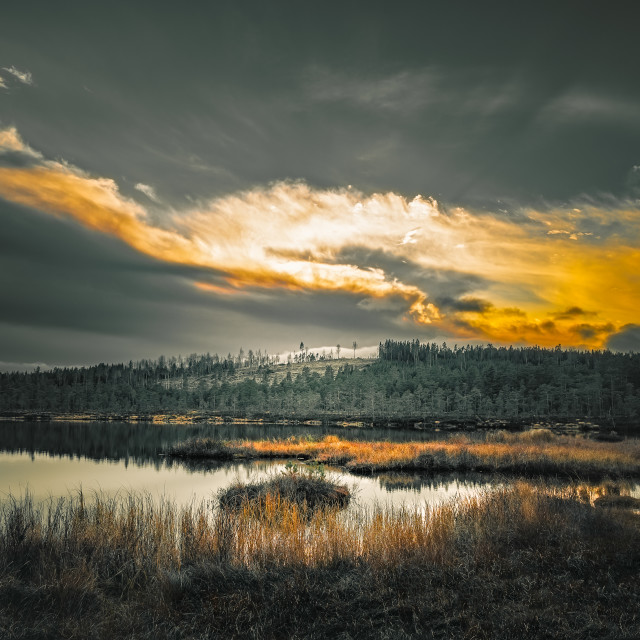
pixel 57 459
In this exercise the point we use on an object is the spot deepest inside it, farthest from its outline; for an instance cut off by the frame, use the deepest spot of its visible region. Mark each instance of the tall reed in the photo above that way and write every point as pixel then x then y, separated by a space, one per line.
pixel 132 566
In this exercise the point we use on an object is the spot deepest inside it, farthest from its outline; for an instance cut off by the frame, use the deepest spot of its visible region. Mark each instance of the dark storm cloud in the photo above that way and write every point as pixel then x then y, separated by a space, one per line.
pixel 627 339
pixel 445 287
pixel 589 331
pixel 56 274
pixel 18 159
pixel 427 99
pixel 334 312
pixel 474 305
pixel 473 104
pixel 72 296
pixel 572 312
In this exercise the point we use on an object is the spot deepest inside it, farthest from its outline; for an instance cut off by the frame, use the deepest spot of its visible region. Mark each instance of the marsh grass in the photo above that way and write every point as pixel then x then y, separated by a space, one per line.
pixel 308 488
pixel 531 453
pixel 540 561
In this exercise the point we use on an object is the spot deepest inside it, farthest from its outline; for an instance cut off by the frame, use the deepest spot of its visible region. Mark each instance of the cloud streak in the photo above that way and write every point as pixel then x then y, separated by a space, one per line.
pixel 401 92
pixel 467 274
pixel 575 106
pixel 24 77
pixel 148 191
pixel 409 91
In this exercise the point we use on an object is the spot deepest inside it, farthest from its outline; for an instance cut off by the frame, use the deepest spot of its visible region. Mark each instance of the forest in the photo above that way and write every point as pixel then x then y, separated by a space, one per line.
pixel 408 380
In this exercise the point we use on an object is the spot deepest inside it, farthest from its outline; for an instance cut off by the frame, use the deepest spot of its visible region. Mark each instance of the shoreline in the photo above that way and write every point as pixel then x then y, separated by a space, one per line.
pixel 411 423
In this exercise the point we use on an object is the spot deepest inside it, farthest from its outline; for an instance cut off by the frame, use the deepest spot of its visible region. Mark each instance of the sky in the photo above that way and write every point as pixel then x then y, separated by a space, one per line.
pixel 208 176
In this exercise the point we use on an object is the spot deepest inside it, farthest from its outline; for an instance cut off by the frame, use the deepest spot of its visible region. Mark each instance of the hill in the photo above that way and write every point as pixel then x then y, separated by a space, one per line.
pixel 409 381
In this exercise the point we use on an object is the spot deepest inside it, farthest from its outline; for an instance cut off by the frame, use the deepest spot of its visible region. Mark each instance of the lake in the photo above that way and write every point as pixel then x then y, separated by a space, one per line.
pixel 56 459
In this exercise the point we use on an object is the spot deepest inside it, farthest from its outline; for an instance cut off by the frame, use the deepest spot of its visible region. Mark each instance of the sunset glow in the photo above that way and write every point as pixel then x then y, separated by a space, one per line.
pixel 541 277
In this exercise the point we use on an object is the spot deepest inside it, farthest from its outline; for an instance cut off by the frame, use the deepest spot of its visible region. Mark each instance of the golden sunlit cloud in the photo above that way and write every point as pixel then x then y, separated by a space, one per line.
pixel 539 277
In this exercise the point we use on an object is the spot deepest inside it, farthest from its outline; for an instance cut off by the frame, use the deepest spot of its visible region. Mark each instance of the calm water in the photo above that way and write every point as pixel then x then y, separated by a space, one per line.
pixel 56 459
pixel 140 443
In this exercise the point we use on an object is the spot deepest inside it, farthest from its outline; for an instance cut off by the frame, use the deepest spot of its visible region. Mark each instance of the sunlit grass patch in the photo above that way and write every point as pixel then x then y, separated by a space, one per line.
pixel 531 453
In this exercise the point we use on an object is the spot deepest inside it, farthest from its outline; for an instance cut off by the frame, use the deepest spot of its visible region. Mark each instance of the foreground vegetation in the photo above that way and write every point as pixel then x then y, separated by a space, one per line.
pixel 409 381
pixel 517 562
pixel 535 452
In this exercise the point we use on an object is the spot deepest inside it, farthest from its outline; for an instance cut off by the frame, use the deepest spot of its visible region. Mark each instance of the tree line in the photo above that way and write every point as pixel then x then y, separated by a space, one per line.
pixel 408 380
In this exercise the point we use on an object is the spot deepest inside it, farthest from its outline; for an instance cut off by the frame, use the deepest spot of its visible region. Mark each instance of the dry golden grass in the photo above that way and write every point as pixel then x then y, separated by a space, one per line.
pixel 149 534
pixel 529 453
pixel 509 561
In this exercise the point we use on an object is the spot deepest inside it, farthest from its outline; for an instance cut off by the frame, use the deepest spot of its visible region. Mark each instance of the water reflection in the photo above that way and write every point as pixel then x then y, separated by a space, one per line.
pixel 141 443
pixel 55 459
pixel 47 476
pixel 399 481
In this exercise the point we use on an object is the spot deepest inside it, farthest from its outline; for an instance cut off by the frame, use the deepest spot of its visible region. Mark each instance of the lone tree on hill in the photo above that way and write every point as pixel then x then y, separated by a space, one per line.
pixel 355 346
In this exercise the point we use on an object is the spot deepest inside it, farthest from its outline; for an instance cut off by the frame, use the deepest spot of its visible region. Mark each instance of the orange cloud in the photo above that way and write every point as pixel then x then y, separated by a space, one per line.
pixel 535 269
pixel 95 203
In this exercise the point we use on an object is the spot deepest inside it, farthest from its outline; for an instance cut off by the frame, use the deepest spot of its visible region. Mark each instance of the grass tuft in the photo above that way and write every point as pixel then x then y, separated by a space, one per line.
pixel 306 489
